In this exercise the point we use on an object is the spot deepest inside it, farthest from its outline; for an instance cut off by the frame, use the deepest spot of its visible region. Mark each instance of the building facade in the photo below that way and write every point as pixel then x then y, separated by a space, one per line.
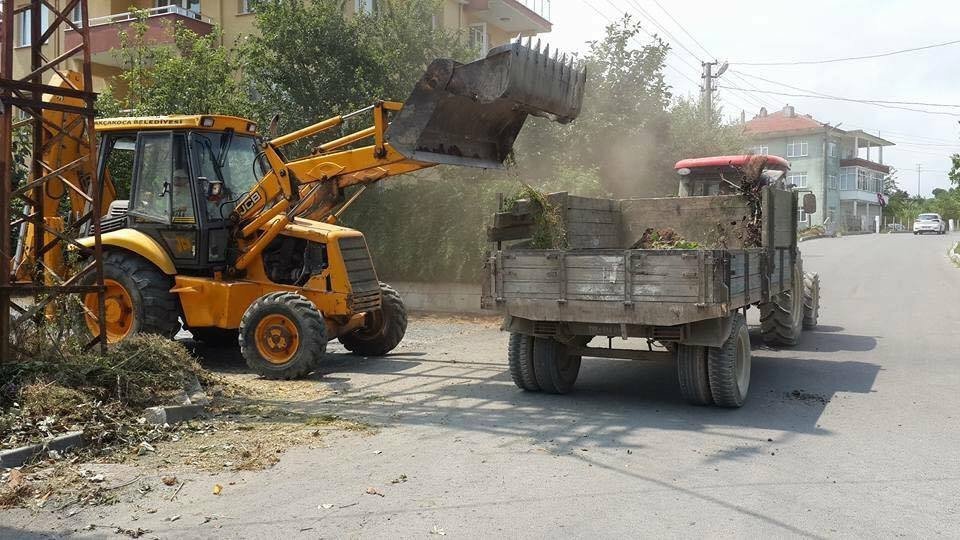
pixel 844 169
pixel 484 23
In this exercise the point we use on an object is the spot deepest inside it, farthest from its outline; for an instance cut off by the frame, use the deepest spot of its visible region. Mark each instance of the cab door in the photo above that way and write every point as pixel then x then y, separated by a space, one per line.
pixel 162 202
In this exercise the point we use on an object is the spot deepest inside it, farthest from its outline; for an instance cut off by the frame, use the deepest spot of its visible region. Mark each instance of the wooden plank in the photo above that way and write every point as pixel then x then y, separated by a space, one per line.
pixel 579 215
pixel 590 203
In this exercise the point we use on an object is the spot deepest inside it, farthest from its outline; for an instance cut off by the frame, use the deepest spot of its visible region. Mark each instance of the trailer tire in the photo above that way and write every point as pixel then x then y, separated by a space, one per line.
pixel 556 370
pixel 385 329
pixel 781 319
pixel 693 374
pixel 811 301
pixel 729 366
pixel 520 358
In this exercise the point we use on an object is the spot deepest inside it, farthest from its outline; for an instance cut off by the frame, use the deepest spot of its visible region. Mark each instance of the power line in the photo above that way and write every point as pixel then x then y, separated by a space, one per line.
pixel 847 59
pixel 663 9
pixel 851 100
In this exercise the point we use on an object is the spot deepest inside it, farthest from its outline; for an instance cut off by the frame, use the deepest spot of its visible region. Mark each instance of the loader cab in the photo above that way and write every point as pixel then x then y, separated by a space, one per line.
pixel 721 175
pixel 176 179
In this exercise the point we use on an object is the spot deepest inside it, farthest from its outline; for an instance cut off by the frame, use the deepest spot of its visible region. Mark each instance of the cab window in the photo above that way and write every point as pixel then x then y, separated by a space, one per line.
pixel 162 188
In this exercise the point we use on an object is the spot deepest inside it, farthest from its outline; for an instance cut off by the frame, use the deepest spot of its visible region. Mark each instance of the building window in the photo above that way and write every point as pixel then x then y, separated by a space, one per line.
pixel 365 6
pixel 479 40
pixel 189 5
pixel 76 15
pixel 803 217
pixel 22 20
pixel 797 179
pixel 243 7
pixel 833 182
pixel 848 178
pixel 798 148
pixel 832 149
pixel 760 150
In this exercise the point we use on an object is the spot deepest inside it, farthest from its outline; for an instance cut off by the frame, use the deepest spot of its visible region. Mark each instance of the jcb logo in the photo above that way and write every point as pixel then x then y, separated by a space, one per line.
pixel 250 201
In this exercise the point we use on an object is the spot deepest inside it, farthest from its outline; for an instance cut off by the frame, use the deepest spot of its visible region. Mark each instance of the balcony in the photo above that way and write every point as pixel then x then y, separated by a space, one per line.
pixel 104 31
pixel 861 180
pixel 513 16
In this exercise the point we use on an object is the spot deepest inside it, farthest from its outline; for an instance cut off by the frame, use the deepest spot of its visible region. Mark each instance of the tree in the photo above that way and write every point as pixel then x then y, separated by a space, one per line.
pixel 692 132
pixel 954 174
pixel 194 75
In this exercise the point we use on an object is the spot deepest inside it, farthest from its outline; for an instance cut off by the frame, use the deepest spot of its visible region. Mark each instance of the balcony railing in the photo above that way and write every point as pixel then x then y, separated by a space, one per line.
pixel 540 7
pixel 152 12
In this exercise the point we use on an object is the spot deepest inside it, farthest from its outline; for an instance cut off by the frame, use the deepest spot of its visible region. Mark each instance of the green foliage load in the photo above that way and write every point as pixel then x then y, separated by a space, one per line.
pixel 550 231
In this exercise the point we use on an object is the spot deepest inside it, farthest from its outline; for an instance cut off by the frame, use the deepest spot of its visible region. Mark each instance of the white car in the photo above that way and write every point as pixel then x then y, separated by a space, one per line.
pixel 929 223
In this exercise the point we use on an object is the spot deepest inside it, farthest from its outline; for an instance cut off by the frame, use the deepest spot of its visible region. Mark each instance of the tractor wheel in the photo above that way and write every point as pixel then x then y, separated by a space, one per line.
pixel 216 337
pixel 781 319
pixel 811 301
pixel 555 369
pixel 692 373
pixel 729 366
pixel 383 329
pixel 137 299
pixel 283 336
pixel 520 357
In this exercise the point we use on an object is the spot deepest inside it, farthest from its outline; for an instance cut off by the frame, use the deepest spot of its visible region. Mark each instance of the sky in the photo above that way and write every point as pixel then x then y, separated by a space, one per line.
pixel 764 31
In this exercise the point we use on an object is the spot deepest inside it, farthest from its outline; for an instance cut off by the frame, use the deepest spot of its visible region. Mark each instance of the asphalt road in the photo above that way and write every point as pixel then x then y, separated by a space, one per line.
pixel 852 433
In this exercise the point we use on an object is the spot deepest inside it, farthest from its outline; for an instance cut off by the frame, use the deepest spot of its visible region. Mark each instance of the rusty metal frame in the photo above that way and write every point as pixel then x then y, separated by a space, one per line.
pixel 25 92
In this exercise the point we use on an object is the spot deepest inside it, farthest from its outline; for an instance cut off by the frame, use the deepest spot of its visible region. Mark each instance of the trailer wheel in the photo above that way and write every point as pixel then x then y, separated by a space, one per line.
pixel 693 375
pixel 520 357
pixel 555 369
pixel 781 319
pixel 729 366
pixel 811 301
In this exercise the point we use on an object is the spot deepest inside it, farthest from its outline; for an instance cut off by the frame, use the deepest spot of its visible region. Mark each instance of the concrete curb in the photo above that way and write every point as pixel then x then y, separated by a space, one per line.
pixel 172 414
pixel 61 443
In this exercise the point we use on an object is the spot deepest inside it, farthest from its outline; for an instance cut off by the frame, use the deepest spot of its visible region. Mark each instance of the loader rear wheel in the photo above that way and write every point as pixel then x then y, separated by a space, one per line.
pixel 781 319
pixel 283 336
pixel 729 366
pixel 811 301
pixel 693 375
pixel 216 337
pixel 137 299
pixel 555 369
pixel 384 328
pixel 520 357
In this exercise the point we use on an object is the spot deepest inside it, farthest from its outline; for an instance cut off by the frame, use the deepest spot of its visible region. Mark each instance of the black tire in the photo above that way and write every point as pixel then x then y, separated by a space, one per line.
pixel 555 369
pixel 155 309
pixel 520 357
pixel 811 301
pixel 781 319
pixel 306 321
pixel 384 328
pixel 729 366
pixel 217 337
pixel 693 375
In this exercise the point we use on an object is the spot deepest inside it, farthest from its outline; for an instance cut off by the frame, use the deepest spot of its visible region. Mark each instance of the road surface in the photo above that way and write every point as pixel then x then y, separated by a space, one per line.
pixel 852 433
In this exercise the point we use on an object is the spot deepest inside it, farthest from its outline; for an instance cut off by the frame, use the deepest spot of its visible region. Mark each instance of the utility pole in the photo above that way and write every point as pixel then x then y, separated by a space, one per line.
pixel 707 88
pixel 918 181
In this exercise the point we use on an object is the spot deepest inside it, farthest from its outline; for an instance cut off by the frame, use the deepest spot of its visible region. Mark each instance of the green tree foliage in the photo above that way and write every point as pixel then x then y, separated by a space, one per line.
pixel 954 174
pixel 194 75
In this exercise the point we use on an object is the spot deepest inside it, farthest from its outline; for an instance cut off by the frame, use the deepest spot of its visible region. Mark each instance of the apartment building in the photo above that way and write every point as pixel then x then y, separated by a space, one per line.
pixel 844 168
pixel 484 23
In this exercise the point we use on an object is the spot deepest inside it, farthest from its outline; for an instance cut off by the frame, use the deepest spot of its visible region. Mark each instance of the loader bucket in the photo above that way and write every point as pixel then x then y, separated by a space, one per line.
pixel 471 114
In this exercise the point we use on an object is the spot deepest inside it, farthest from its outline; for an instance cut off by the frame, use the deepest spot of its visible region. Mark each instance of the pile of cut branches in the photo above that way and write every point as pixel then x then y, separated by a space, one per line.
pixel 550 231
pixel 665 238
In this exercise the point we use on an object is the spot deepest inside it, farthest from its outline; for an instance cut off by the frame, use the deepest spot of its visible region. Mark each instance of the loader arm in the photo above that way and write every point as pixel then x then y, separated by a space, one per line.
pixel 457 114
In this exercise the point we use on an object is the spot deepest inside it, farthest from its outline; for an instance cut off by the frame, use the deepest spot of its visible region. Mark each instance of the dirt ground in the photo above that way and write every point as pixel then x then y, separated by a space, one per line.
pixel 851 433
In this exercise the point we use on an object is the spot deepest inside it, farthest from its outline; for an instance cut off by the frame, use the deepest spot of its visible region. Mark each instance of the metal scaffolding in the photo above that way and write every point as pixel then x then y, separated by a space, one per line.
pixel 55 116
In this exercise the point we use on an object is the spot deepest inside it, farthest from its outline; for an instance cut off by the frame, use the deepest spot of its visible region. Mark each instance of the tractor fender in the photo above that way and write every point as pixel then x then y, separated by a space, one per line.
pixel 135 242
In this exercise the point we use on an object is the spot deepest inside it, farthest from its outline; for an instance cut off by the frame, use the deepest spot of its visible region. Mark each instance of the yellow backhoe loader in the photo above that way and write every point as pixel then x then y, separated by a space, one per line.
pixel 222 230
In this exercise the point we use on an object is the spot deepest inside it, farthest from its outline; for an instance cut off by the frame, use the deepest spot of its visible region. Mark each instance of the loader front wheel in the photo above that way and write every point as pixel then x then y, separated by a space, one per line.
pixel 384 328
pixel 283 336
pixel 137 299
pixel 555 368
pixel 520 358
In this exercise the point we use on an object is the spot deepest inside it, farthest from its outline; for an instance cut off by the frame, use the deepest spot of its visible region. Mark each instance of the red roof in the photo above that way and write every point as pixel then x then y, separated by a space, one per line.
pixel 773 162
pixel 780 122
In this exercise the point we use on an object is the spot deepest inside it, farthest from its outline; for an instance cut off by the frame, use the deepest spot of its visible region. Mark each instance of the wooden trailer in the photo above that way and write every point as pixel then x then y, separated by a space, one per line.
pixel 689 302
